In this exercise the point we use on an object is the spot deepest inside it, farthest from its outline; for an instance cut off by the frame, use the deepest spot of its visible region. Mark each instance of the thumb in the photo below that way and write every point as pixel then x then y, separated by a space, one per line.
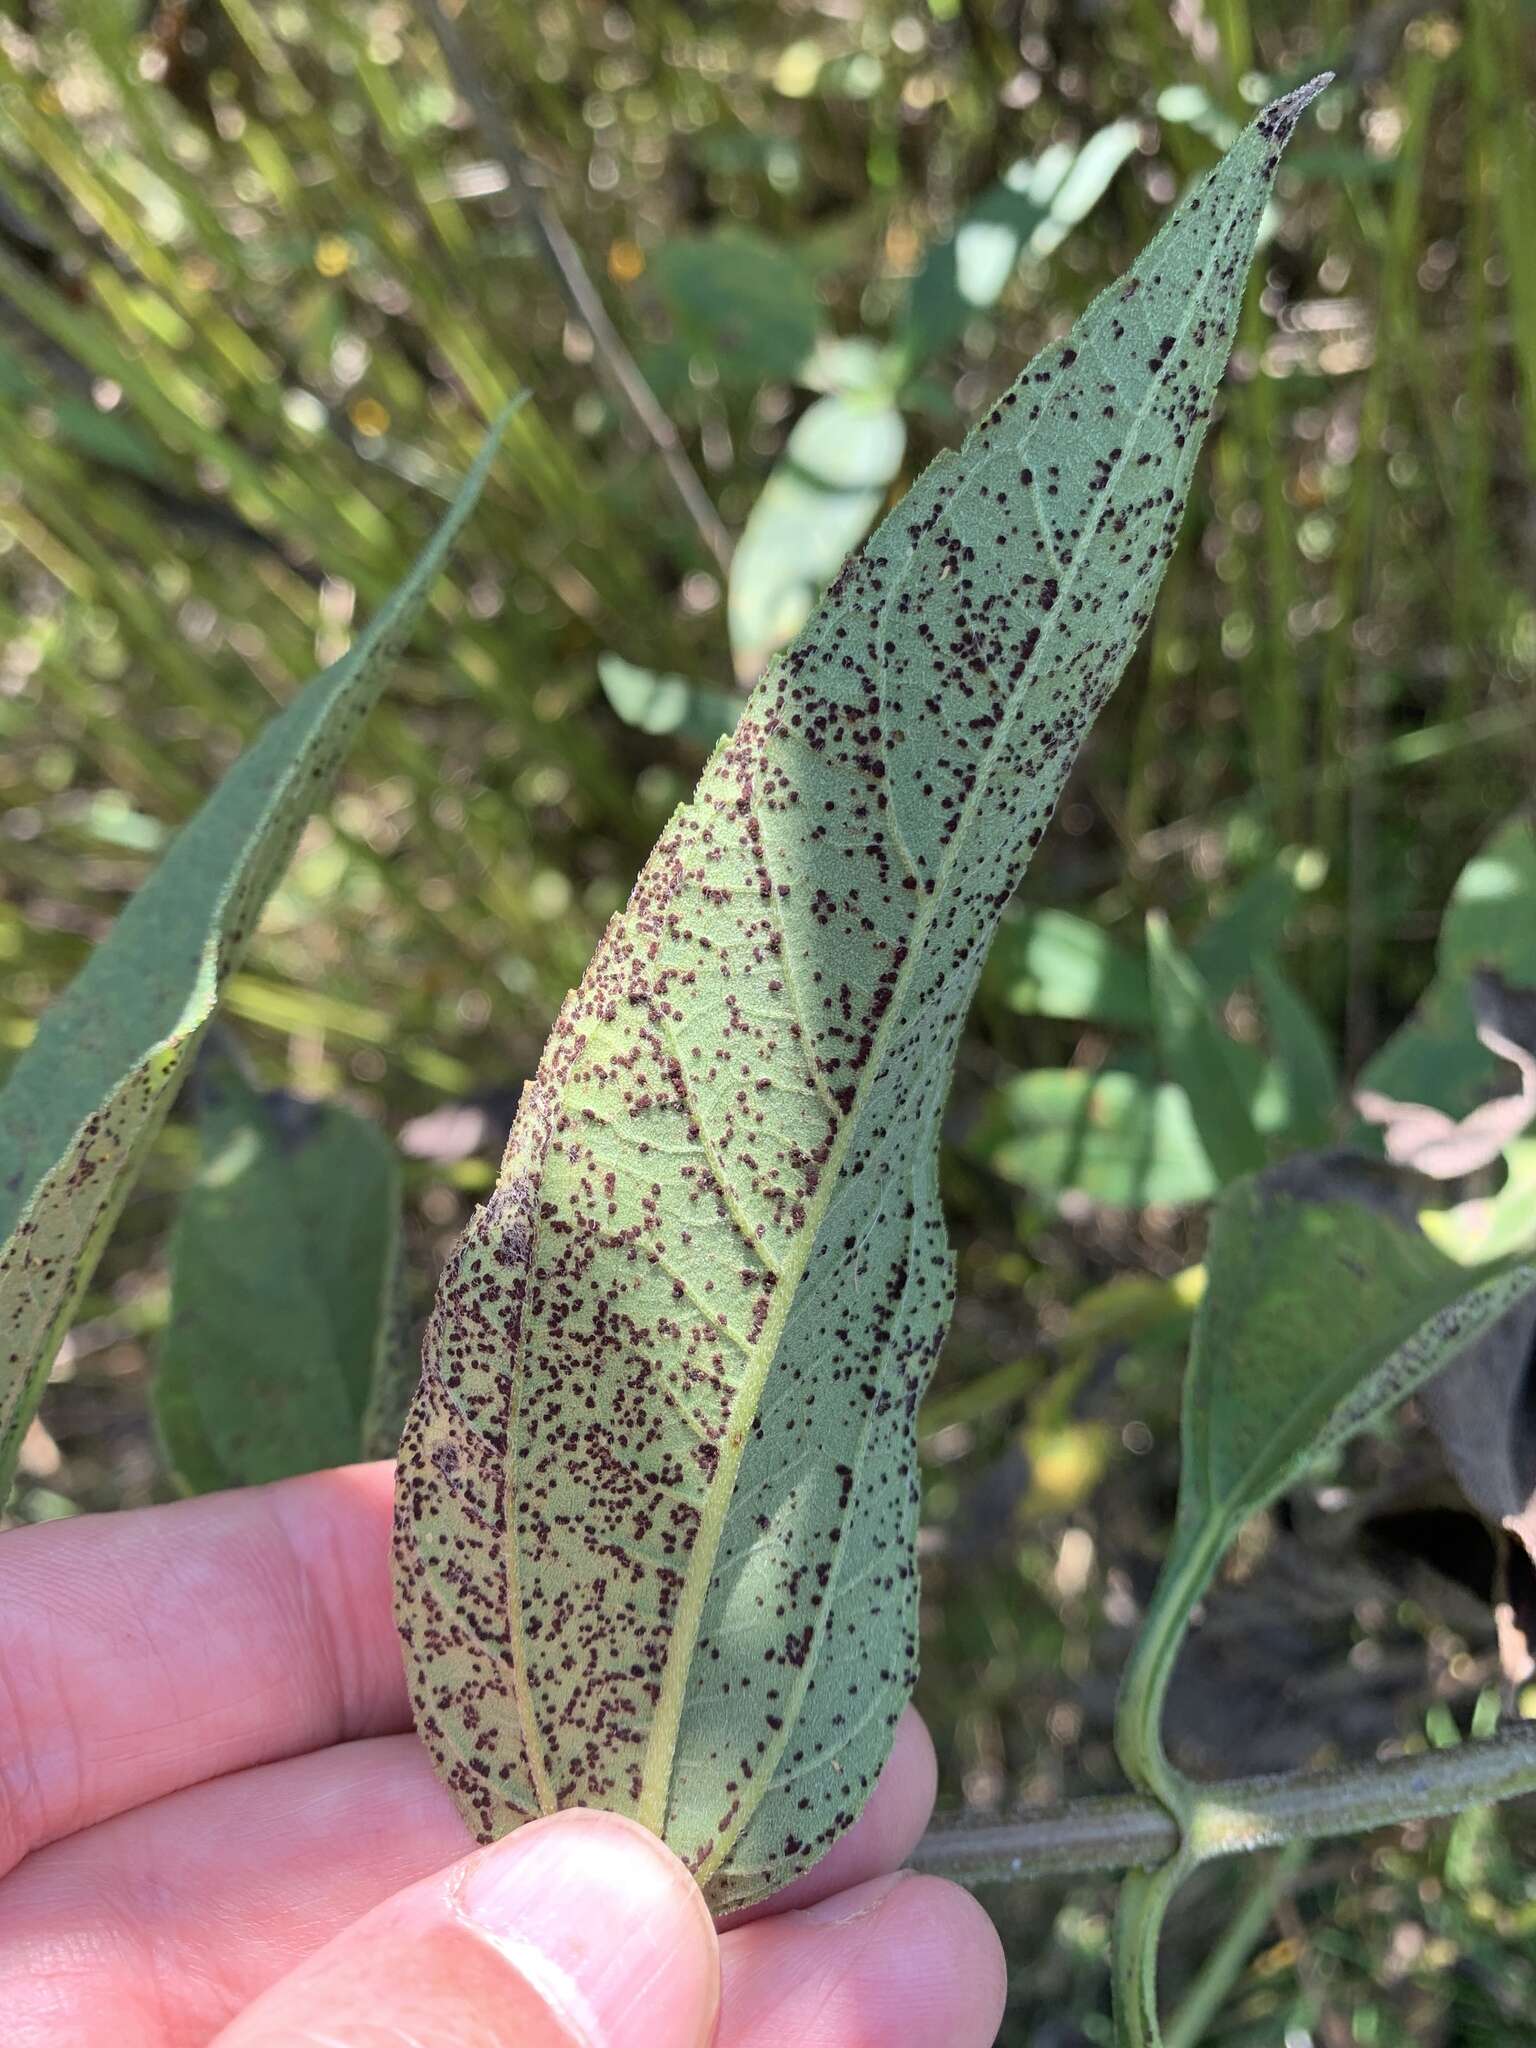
pixel 580 1931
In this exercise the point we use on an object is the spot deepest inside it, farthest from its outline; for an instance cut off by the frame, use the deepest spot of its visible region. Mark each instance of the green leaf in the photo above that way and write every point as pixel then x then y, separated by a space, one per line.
pixel 85 1100
pixel 1253 923
pixel 1199 1055
pixel 1049 963
pixel 742 300
pixel 657 1503
pixel 1325 1306
pixel 660 704
pixel 818 503
pixel 1030 211
pixel 1303 1057
pixel 1490 922
pixel 285 1270
pixel 1121 1140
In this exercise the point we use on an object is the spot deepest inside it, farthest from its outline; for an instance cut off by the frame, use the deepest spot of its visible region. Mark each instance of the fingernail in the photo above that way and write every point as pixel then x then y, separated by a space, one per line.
pixel 606 1923
pixel 856 1904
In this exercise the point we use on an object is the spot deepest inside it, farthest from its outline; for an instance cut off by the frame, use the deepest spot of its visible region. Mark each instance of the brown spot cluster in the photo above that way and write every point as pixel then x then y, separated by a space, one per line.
pixel 658 1500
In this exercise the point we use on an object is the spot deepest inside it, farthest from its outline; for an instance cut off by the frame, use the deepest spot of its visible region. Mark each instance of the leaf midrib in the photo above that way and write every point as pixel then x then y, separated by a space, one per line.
pixel 662 1743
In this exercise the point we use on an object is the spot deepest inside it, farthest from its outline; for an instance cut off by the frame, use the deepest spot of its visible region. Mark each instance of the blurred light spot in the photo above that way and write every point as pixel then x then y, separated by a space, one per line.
pixel 369 417
pixel 1074 1565
pixel 626 261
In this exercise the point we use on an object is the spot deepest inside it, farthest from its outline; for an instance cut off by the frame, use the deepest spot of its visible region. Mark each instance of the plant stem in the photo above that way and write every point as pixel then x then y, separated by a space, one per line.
pixel 563 256
pixel 1228 1959
pixel 1140 1910
pixel 1139 1712
pixel 1232 1818
pixel 1069 1840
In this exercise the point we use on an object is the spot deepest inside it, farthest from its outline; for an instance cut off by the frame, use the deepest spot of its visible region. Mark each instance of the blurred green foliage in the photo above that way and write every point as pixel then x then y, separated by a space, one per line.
pixel 264 281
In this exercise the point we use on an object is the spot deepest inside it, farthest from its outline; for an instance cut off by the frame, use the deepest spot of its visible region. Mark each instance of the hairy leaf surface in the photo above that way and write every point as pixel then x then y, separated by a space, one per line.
pixel 658 1493
pixel 86 1098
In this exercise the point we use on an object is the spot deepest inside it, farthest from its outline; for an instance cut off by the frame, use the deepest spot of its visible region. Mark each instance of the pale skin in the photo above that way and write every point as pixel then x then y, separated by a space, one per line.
pixel 217 1827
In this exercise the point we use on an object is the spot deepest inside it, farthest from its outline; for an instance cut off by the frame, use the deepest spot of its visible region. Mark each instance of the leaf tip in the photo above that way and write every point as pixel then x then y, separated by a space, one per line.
pixel 1282 114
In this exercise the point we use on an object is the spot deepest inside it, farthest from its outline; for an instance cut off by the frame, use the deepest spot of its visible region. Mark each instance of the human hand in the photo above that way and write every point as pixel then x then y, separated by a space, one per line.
pixel 213 1825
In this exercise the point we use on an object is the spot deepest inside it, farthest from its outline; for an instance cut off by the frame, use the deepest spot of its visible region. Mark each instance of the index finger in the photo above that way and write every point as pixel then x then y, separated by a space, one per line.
pixel 147 1651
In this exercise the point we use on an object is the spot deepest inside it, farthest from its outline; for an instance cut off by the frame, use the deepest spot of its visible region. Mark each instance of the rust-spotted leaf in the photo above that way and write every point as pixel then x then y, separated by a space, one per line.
pixel 658 1494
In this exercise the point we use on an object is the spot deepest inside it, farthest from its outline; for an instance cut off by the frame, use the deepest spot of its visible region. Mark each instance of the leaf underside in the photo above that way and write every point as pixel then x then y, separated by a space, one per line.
pixel 657 1501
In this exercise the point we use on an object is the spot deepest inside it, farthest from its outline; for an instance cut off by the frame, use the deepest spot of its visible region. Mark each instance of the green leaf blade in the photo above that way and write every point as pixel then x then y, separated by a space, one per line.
pixel 285 1263
pixel 1320 1313
pixel 818 503
pixel 665 704
pixel 1325 1306
pixel 1029 211
pixel 1123 1141
pixel 656 1509
pixel 1050 963
pixel 86 1098
pixel 1200 1056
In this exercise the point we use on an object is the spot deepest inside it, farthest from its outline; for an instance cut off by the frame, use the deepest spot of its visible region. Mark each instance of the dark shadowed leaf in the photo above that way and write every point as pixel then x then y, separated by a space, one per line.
pixel 84 1102
pixel 285 1276
pixel 657 1501
pixel 1483 1410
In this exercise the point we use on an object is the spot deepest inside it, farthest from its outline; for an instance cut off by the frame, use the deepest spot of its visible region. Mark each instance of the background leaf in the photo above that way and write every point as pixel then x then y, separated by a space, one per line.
pixel 680 1352
pixel 86 1098
pixel 1490 922
pixel 816 506
pixel 1199 1055
pixel 1050 963
pixel 285 1264
pixel 666 704
pixel 1028 212
pixel 1302 1055
pixel 1253 924
pixel 1325 1305
pixel 1120 1139
pixel 746 303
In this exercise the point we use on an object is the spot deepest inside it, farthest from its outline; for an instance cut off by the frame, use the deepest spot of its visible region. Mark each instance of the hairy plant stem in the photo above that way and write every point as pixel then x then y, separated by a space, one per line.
pixel 1231 1818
